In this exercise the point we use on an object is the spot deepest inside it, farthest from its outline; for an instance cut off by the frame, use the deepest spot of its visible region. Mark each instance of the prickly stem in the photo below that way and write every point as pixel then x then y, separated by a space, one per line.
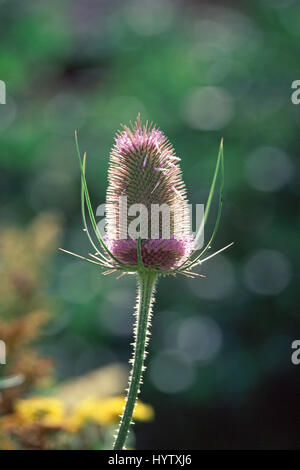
pixel 146 285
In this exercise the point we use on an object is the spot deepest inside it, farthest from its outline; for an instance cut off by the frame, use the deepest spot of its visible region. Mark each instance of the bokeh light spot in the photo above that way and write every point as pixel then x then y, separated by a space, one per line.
pixel 267 272
pixel 208 108
pixel 268 169
pixel 172 372
pixel 228 28
pixel 200 338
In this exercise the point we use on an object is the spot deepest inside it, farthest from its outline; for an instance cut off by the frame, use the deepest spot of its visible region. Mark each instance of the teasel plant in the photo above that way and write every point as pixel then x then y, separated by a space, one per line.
pixel 144 167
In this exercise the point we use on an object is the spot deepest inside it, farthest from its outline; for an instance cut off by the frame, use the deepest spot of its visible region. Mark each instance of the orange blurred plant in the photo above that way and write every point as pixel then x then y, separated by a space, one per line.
pixel 24 306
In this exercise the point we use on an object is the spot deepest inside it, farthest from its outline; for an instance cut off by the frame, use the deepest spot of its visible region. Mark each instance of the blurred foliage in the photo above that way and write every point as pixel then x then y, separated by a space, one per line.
pixel 24 304
pixel 220 349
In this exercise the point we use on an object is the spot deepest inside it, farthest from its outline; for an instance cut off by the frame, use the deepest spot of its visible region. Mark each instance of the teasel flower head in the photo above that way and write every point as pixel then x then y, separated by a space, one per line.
pixel 144 174
pixel 147 213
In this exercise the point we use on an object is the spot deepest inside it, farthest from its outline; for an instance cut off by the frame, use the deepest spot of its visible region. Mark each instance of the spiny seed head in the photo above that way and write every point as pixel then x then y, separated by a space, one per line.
pixel 144 170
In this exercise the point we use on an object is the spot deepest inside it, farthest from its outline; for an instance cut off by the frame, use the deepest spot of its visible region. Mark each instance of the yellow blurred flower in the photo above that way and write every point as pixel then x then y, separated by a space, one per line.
pixel 105 411
pixel 46 411
pixel 50 412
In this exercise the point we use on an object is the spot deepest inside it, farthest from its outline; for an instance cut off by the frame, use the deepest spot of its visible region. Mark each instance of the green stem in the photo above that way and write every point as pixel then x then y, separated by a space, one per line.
pixel 146 284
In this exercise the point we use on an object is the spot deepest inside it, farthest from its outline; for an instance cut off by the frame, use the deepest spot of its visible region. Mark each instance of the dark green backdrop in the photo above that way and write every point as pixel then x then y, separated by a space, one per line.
pixel 219 371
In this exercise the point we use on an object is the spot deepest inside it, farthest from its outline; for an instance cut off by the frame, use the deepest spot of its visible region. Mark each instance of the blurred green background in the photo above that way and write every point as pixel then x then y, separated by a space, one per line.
pixel 219 371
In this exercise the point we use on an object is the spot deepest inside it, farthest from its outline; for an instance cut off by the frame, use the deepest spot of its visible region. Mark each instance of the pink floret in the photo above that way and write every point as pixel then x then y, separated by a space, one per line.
pixel 156 253
pixel 125 144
